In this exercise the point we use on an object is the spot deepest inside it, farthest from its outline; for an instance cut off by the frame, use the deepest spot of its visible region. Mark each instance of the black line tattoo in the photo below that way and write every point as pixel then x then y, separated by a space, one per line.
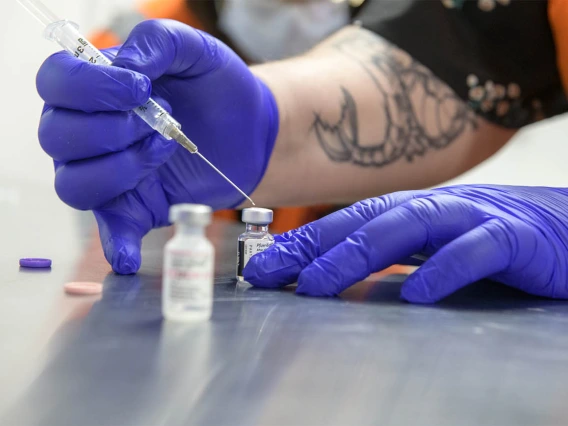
pixel 419 111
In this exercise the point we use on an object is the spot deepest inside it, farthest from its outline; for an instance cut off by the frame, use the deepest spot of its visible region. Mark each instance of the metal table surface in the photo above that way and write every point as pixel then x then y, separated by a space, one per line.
pixel 486 355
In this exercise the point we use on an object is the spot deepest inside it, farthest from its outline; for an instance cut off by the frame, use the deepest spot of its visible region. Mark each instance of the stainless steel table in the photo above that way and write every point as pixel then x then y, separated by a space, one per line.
pixel 485 356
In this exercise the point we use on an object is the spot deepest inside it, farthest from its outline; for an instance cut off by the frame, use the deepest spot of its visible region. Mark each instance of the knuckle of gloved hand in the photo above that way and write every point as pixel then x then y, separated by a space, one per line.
pixel 53 139
pixel 149 44
pixel 49 80
pixel 360 254
pixel 110 53
pixel 123 90
pixel 370 207
pixel 54 62
pixel 157 29
pixel 75 70
pixel 72 192
pixel 437 208
pixel 286 236
pixel 504 234
pixel 48 75
pixel 523 241
pixel 361 244
pixel 48 134
pixel 150 26
pixel 306 243
pixel 212 50
pixel 421 208
pixel 139 87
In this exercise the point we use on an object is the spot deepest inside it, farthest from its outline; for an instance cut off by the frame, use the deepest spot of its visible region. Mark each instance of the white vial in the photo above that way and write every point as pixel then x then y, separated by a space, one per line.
pixel 256 238
pixel 189 258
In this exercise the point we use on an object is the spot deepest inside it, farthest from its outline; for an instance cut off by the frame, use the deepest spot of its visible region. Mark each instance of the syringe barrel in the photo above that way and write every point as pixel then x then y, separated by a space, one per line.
pixel 67 34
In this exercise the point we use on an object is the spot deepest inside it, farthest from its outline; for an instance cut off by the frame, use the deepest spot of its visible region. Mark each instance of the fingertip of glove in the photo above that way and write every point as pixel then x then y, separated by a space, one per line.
pixel 125 258
pixel 266 271
pixel 416 293
pixel 253 272
pixel 315 283
pixel 126 264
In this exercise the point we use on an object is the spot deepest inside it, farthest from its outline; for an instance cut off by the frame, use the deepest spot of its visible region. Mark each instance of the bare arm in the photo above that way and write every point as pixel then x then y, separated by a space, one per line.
pixel 360 118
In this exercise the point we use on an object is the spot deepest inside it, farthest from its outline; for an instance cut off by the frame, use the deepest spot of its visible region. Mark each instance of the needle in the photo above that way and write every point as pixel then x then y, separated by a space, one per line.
pixel 225 177
pixel 184 141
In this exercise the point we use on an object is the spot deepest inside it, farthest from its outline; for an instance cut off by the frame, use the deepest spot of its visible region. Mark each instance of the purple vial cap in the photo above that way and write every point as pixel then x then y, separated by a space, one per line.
pixel 35 263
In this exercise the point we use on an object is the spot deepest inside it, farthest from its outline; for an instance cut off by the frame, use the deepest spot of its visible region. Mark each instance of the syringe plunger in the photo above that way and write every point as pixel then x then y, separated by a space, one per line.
pixel 39 11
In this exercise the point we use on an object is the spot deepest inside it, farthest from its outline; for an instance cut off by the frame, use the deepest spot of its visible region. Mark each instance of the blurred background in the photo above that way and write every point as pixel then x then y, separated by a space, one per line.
pixel 27 198
pixel 534 157
pixel 23 50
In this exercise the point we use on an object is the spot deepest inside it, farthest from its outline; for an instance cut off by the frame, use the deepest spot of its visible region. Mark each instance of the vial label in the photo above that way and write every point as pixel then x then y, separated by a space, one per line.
pixel 248 249
pixel 189 280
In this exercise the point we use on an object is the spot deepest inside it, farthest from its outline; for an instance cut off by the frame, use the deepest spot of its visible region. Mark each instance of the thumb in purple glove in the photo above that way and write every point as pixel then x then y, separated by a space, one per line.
pixel 121 240
pixel 125 221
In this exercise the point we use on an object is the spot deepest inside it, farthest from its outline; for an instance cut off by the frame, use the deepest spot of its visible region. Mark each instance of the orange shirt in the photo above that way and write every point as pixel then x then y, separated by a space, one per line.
pixel 558 18
pixel 151 9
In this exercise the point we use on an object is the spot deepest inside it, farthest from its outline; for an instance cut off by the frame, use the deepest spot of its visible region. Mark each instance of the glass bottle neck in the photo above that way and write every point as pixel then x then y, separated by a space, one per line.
pixel 185 229
pixel 256 228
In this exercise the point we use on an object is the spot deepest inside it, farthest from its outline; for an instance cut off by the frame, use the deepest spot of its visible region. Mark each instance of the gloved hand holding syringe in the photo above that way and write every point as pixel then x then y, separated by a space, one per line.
pixel 67 35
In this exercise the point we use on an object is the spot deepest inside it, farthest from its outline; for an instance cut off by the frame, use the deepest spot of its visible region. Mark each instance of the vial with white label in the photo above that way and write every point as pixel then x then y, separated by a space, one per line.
pixel 189 258
pixel 256 237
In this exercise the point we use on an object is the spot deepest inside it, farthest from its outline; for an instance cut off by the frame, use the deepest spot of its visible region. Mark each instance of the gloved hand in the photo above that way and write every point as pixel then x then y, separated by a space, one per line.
pixel 108 160
pixel 514 235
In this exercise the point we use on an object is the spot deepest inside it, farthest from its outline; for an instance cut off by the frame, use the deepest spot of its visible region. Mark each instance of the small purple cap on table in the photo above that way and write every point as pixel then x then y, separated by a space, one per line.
pixel 35 263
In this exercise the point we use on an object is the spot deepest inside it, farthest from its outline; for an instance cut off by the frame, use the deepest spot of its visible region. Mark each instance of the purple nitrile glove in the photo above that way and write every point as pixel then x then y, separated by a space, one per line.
pixel 108 160
pixel 514 235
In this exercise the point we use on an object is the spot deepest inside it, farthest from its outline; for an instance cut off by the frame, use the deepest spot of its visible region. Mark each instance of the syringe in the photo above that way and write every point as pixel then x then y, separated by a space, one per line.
pixel 67 35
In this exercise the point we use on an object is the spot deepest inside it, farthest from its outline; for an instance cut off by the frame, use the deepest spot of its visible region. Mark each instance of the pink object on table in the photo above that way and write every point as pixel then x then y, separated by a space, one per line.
pixel 83 288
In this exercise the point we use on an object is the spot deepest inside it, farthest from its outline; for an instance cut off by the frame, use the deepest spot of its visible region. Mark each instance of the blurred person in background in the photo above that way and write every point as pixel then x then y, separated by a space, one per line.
pixel 413 95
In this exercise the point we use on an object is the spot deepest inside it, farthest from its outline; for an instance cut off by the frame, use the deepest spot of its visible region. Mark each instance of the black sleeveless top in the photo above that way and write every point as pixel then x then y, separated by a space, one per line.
pixel 497 55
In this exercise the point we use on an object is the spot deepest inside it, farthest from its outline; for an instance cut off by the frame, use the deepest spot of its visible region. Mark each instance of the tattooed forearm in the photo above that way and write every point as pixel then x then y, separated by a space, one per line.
pixel 418 111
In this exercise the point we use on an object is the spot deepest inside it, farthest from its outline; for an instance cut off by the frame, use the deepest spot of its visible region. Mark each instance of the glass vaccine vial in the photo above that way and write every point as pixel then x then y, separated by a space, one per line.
pixel 255 239
pixel 189 259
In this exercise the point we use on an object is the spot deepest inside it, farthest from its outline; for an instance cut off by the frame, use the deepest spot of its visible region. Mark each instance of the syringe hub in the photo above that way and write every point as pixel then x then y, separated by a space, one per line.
pixel 177 135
